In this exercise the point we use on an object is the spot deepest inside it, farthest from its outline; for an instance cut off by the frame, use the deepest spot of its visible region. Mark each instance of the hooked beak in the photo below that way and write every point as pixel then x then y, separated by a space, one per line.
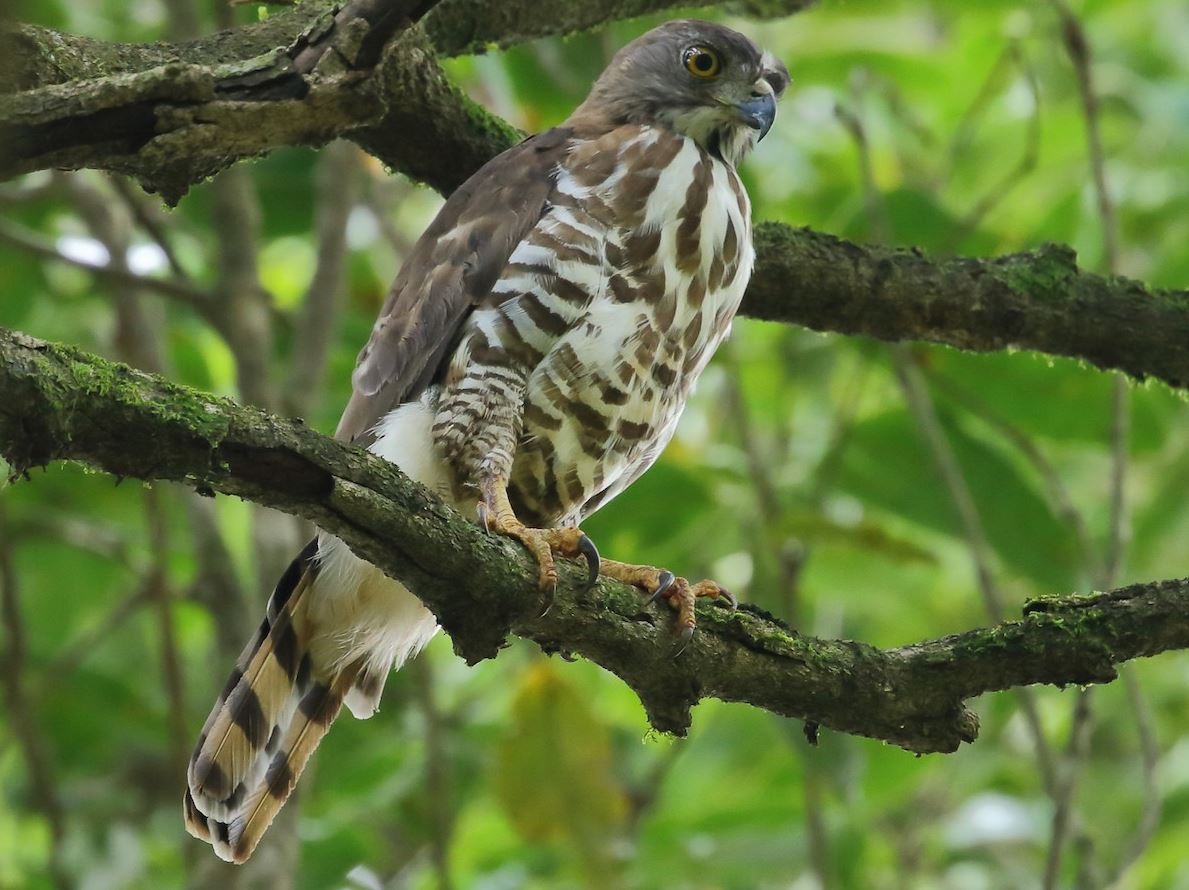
pixel 759 112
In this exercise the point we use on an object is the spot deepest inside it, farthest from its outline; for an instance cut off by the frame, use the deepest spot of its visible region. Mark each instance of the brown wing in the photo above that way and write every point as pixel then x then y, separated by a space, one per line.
pixel 453 266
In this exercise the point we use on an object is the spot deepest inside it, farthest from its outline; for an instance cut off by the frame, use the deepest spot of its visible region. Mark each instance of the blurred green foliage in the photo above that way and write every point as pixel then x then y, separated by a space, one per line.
pixel 529 772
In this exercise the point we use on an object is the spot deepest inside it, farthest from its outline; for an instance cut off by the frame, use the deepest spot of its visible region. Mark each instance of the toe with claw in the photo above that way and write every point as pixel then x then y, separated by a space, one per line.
pixel 496 516
pixel 663 584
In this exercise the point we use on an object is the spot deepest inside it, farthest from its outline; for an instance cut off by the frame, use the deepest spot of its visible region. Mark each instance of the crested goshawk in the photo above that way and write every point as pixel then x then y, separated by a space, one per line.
pixel 533 356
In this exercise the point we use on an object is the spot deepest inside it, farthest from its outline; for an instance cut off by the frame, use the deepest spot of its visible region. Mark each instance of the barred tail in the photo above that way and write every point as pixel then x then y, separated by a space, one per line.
pixel 274 710
pixel 336 626
pixel 235 835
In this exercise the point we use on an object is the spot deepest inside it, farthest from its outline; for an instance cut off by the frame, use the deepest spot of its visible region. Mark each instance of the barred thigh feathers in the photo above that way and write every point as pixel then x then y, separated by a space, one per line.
pixel 336 626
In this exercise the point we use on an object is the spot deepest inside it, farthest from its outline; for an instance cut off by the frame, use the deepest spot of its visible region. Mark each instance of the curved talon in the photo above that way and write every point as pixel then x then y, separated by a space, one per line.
pixel 732 602
pixel 587 548
pixel 664 581
pixel 484 516
pixel 550 592
pixel 687 634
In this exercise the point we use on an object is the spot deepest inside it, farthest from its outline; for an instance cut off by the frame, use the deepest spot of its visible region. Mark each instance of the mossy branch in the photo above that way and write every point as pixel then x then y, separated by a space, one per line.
pixel 171 115
pixel 58 403
pixel 1039 299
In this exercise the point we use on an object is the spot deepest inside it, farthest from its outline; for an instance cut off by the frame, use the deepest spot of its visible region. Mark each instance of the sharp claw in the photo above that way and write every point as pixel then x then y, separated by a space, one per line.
pixel 550 593
pixel 687 634
pixel 663 582
pixel 725 594
pixel 484 517
pixel 588 549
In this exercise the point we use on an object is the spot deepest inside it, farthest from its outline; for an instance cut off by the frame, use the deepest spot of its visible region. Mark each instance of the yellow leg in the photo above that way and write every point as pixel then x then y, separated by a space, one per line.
pixel 495 512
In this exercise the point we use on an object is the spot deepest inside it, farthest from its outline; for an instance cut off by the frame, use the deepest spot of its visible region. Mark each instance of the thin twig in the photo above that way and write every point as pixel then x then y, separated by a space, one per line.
pixel 989 88
pixel 1150 760
pixel 336 188
pixel 1056 491
pixel 158 589
pixel 757 462
pixel 1064 817
pixel 72 654
pixel 147 218
pixel 437 771
pixel 825 473
pixel 22 715
pixel 922 408
pixel 877 215
pixel 30 242
pixel 74 531
pixel 236 219
pixel 1077 47
pixel 643 795
pixel 216 586
pixel 1023 167
pixel 382 195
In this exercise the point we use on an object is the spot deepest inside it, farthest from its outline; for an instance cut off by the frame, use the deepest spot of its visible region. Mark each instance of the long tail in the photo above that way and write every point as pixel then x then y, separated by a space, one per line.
pixel 275 709
pixel 335 628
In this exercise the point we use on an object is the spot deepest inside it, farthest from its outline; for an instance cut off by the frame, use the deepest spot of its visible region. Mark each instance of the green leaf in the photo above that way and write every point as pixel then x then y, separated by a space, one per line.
pixel 888 466
pixel 1055 398
pixel 554 773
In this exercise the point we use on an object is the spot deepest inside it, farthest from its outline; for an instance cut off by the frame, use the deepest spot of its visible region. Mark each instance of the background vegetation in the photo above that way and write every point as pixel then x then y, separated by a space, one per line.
pixel 805 476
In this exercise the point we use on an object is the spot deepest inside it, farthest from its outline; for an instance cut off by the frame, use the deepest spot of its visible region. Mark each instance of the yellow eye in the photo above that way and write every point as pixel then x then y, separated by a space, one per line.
pixel 701 61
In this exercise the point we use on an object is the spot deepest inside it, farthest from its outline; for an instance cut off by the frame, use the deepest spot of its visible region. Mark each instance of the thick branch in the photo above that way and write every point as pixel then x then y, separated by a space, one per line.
pixel 1037 300
pixel 173 114
pixel 57 403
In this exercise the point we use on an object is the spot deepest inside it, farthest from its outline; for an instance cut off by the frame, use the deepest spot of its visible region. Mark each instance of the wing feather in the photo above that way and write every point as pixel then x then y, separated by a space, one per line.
pixel 452 267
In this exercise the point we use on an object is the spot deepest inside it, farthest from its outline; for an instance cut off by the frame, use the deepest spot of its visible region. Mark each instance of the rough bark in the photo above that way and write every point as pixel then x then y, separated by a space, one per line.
pixel 58 403
pixel 1038 300
pixel 171 115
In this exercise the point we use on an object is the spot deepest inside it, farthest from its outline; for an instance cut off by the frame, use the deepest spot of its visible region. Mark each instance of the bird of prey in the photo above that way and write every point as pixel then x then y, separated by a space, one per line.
pixel 533 357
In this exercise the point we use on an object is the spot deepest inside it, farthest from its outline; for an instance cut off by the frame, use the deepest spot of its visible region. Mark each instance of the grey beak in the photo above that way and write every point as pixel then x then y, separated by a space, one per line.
pixel 759 112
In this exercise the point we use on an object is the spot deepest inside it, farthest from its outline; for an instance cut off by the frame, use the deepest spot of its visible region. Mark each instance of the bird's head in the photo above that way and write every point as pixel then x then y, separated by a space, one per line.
pixel 700 79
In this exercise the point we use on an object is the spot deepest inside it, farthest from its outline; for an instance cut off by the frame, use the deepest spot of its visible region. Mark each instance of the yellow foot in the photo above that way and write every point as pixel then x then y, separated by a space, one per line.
pixel 659 583
pixel 543 543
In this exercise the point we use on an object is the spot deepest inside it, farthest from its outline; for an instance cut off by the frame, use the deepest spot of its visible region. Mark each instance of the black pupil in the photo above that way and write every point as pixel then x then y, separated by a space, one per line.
pixel 703 61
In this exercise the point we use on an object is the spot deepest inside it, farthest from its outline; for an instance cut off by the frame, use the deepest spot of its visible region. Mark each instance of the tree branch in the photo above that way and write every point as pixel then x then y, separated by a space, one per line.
pixel 58 403
pixel 1039 299
pixel 174 114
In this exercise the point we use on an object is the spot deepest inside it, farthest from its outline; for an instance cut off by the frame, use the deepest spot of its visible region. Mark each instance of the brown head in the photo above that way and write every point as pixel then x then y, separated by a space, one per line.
pixel 700 79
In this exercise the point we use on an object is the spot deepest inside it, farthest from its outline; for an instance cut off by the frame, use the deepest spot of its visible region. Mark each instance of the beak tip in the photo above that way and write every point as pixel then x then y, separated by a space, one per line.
pixel 759 112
